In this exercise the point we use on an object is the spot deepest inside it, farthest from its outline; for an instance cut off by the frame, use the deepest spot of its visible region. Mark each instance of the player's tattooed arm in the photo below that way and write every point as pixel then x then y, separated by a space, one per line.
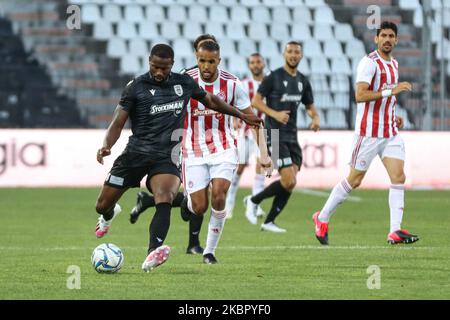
pixel 214 103
pixel 120 117
pixel 315 118
pixel 280 116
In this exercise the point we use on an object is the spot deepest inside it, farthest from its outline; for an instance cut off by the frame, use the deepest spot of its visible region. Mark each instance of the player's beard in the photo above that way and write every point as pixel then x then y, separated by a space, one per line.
pixel 387 50
pixel 293 66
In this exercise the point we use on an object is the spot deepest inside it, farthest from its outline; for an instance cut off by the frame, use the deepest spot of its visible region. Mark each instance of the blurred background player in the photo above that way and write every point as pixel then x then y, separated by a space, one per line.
pixel 145 200
pixel 376 133
pixel 208 148
pixel 246 146
pixel 284 89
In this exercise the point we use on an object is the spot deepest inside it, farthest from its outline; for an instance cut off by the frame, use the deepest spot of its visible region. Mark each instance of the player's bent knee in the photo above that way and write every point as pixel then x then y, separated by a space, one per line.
pixel 290 184
pixel 101 207
pixel 199 207
pixel 399 179
pixel 164 196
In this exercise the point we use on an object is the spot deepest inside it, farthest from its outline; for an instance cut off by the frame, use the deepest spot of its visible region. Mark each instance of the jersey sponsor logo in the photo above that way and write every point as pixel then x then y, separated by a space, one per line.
pixel 152 91
pixel 178 90
pixel 388 86
pixel 176 106
pixel 300 87
pixel 291 98
pixel 206 112
pixel 221 96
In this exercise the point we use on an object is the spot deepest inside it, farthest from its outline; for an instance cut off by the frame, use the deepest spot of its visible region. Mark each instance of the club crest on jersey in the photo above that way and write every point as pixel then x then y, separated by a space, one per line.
pixel 300 87
pixel 221 95
pixel 285 83
pixel 178 90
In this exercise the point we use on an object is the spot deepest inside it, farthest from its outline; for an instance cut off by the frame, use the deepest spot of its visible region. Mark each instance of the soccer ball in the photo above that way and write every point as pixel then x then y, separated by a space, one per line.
pixel 107 258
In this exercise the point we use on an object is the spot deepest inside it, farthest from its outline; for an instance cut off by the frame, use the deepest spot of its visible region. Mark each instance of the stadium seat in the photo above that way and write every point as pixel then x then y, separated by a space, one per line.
pixel 218 14
pixel 294 3
pixel 269 48
pixel 301 32
pixel 336 119
pixel 235 30
pixel 227 48
pixel 340 65
pixel 315 3
pixel 324 15
pixel 240 14
pixel 302 14
pixel 280 31
pixel 208 3
pixel 272 3
pixel 238 66
pixel 261 15
pixel 339 83
pixel 165 2
pixel 154 13
pixel 116 47
pixel 257 31
pixel 216 29
pixel 138 47
pixel 409 4
pixel 246 47
pixel 147 30
pixel 281 13
pixel 134 13
pixel 130 64
pixel 191 30
pixel 343 32
pixel 102 30
pixel 228 3
pixel 197 13
pixel 323 32
pixel 355 49
pixel 418 17
pixel 312 48
pixel 319 65
pixel 126 30
pixel 170 30
pixel 275 61
pixel 176 13
pixel 341 100
pixel 250 3
pixel 90 13
pixel 304 68
pixel 333 48
pixel 111 12
pixel 190 61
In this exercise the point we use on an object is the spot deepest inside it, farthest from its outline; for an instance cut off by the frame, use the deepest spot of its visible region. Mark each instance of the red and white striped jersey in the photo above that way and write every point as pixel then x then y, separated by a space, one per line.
pixel 377 118
pixel 251 87
pixel 207 131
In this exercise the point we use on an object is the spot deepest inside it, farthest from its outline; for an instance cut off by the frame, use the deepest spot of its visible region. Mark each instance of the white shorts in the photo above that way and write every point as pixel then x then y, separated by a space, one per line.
pixel 197 176
pixel 365 149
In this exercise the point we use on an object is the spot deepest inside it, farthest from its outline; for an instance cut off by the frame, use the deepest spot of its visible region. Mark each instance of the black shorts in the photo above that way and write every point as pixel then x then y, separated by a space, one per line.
pixel 129 169
pixel 289 154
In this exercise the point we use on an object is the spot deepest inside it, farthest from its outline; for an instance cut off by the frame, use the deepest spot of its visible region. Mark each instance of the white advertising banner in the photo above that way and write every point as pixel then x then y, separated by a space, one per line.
pixel 67 158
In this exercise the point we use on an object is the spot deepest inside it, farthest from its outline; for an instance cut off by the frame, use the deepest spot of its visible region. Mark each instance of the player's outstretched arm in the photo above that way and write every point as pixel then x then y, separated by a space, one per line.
pixel 315 119
pixel 364 94
pixel 214 103
pixel 120 117
pixel 280 116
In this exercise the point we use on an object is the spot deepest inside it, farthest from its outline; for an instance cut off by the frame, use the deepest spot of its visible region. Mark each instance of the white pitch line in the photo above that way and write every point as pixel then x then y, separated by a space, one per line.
pixel 245 248
pixel 324 194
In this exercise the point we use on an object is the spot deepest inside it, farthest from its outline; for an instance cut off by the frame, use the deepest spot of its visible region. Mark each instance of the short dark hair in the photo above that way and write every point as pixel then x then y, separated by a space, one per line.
pixel 203 37
pixel 256 54
pixel 163 51
pixel 209 46
pixel 294 43
pixel 387 25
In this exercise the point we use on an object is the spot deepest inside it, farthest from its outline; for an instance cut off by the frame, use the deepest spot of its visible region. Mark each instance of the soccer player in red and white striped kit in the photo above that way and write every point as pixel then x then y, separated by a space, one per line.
pixel 376 133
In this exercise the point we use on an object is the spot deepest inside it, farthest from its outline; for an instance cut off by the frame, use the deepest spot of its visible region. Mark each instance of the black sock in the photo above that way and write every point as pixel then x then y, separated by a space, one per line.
pixel 279 202
pixel 273 189
pixel 147 200
pixel 109 215
pixel 195 224
pixel 178 199
pixel 159 225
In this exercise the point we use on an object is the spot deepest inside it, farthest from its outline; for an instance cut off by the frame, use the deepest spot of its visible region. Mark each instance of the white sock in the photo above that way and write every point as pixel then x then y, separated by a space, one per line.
pixel 215 227
pixel 396 204
pixel 258 183
pixel 338 195
pixel 233 188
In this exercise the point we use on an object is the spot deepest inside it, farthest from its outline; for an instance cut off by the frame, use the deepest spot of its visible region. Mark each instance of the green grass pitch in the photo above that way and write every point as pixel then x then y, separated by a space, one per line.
pixel 44 231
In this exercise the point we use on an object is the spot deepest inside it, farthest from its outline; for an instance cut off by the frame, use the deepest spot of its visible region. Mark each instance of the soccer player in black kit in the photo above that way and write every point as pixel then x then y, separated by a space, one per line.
pixel 284 89
pixel 156 104
pixel 145 200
